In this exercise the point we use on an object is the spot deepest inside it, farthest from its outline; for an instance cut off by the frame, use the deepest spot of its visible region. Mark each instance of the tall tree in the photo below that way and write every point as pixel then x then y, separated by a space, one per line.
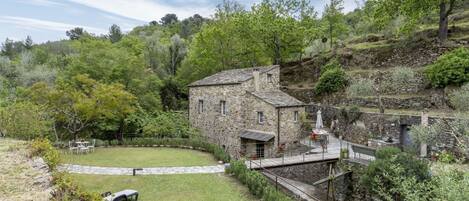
pixel 28 43
pixel 7 48
pixel 115 33
pixel 177 52
pixel 75 33
pixel 387 10
pixel 334 21
pixel 169 18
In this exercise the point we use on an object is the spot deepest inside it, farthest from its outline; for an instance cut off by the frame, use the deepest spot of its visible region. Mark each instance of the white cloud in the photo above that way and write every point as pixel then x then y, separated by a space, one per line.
pixel 46 25
pixel 144 10
pixel 42 2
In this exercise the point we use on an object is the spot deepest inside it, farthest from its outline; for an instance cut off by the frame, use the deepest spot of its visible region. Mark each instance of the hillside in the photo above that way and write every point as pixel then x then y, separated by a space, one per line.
pixel 376 56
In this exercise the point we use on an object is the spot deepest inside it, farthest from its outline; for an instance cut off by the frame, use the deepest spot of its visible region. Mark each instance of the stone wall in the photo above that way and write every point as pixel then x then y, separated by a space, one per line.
pixel 220 129
pixel 367 125
pixel 241 112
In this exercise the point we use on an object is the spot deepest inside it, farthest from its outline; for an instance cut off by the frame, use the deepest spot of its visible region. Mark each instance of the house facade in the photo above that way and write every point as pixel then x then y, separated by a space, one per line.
pixel 244 111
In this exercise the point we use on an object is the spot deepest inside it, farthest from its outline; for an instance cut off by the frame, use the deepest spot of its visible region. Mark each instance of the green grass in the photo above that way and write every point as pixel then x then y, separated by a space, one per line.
pixel 141 157
pixel 203 187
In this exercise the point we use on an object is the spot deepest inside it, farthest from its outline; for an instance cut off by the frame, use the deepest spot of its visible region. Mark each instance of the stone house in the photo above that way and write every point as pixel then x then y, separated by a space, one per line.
pixel 244 111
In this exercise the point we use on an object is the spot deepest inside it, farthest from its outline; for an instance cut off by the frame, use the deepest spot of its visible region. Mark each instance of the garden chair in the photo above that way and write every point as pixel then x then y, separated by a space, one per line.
pixel 71 148
pixel 91 147
pixel 83 149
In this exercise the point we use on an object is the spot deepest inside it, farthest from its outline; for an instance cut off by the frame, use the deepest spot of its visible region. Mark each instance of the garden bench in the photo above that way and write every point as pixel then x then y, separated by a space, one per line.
pixel 359 149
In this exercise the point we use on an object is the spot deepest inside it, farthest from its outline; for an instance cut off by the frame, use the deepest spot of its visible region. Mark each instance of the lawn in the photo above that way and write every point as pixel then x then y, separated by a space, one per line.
pixel 141 157
pixel 203 187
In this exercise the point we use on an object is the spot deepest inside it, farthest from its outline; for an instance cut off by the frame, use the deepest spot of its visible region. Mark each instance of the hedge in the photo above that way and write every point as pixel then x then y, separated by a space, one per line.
pixel 256 182
pixel 192 143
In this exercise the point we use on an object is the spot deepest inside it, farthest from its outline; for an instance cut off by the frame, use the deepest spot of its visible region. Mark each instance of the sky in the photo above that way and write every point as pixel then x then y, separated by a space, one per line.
pixel 47 20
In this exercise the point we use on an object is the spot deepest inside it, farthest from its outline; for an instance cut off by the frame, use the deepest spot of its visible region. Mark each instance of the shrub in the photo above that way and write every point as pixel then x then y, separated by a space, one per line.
pixel 361 87
pixel 66 189
pixel 396 174
pixel 168 124
pixel 387 152
pixel 450 69
pixel 214 149
pixel 256 182
pixel 459 99
pixel 331 81
pixel 332 64
pixel 43 148
pixel 446 157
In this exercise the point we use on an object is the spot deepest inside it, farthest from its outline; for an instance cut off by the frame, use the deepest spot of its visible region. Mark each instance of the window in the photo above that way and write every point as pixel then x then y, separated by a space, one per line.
pixel 269 78
pixel 295 116
pixel 223 108
pixel 201 106
pixel 260 117
pixel 260 150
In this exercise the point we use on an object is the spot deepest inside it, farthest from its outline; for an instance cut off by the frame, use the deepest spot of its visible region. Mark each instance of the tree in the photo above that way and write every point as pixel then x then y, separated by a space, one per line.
pixel 192 25
pixel 177 52
pixel 24 120
pixel 7 48
pixel 334 20
pixel 115 33
pixel 75 33
pixel 171 95
pixel 274 21
pixel 169 19
pixel 28 43
pixel 387 10
pixel 83 103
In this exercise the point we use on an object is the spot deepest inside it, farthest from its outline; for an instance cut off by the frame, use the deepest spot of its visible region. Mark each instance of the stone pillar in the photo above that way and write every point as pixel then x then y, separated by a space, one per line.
pixel 255 75
pixel 424 122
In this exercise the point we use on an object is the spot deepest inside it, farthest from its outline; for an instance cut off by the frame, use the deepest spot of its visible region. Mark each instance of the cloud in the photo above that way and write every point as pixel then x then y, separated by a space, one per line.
pixel 46 25
pixel 42 2
pixel 146 10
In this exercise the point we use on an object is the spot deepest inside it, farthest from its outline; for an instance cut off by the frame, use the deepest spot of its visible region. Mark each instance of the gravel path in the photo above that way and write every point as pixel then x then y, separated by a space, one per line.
pixel 81 169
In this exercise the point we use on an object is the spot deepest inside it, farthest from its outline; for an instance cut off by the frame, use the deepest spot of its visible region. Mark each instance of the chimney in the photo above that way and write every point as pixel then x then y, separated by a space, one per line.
pixel 255 75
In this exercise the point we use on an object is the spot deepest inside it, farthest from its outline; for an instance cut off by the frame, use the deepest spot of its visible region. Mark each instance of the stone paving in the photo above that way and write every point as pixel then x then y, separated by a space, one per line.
pixel 81 169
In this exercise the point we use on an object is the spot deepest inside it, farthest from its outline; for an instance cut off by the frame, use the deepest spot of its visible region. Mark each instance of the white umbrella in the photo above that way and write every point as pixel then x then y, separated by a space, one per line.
pixel 319 124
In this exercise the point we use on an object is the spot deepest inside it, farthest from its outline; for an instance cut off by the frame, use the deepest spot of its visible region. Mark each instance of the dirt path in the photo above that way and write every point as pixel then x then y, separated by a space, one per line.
pixel 22 179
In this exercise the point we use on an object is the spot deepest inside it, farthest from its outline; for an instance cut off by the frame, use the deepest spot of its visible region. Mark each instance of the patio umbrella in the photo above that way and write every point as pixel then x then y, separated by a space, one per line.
pixel 319 124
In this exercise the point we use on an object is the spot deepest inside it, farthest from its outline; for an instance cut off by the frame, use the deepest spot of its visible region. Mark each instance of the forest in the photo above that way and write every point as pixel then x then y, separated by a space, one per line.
pixel 121 85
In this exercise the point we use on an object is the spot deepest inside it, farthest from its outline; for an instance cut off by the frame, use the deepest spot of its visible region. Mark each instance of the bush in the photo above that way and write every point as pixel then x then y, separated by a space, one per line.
pixel 331 81
pixel 256 182
pixel 66 189
pixel 169 124
pixel 214 149
pixel 459 99
pixel 361 87
pixel 450 69
pixel 387 152
pixel 446 157
pixel 395 174
pixel 43 148
pixel 332 64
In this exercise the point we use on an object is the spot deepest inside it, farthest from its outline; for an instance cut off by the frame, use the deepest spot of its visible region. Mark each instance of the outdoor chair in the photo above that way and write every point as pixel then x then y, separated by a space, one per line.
pixel 72 148
pixel 91 147
pixel 83 149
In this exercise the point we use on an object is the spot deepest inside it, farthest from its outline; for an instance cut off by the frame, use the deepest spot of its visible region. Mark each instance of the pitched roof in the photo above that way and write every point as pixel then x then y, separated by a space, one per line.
pixel 278 98
pixel 234 76
pixel 256 135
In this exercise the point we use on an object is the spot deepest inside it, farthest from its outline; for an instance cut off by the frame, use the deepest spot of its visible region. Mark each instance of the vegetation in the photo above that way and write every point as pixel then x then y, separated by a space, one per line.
pixel 141 157
pixel 450 69
pixel 332 78
pixel 459 98
pixel 396 175
pixel 457 129
pixel 256 182
pixel 169 187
